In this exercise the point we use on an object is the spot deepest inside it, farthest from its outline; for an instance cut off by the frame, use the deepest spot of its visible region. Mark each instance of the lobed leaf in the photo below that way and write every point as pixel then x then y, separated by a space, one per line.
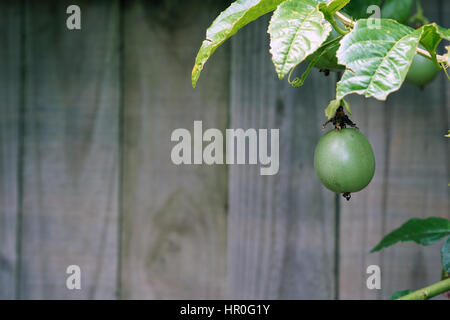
pixel 297 29
pixel 377 58
pixel 445 256
pixel 422 231
pixel 236 16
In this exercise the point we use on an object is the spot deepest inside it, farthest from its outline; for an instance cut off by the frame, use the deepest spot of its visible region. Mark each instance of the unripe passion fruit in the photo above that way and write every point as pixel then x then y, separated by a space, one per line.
pixel 422 71
pixel 344 160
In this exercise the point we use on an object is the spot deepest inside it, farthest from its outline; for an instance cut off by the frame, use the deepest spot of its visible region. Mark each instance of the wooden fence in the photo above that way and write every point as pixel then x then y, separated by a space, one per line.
pixel 86 176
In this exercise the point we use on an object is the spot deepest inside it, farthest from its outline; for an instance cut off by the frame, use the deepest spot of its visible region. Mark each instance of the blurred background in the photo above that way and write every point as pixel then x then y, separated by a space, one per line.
pixel 86 176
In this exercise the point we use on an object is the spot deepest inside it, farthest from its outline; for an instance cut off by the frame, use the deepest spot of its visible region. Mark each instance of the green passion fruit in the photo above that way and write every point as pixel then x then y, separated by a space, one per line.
pixel 422 71
pixel 344 161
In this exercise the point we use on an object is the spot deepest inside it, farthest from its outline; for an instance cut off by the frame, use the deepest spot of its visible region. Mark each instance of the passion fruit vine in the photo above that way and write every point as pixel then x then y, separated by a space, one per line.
pixel 344 161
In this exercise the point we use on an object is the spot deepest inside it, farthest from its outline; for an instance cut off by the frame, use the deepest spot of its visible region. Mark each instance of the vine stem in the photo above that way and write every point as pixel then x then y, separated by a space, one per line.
pixel 350 23
pixel 428 292
pixel 347 21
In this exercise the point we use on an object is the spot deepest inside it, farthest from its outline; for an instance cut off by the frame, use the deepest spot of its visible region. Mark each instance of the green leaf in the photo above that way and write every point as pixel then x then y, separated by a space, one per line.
pixel 377 59
pixel 346 106
pixel 358 8
pixel 397 9
pixel 236 16
pixel 422 231
pixel 432 35
pixel 445 255
pixel 322 58
pixel 297 29
pixel 448 134
pixel 327 57
pixel 331 109
pixel 399 294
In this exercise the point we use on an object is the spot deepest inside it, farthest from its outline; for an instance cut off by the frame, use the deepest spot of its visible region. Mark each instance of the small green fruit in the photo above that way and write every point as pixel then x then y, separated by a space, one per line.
pixel 422 71
pixel 344 160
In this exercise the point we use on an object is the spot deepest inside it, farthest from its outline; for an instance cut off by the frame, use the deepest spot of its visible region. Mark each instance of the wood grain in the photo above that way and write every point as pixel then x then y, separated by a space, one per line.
pixel 174 222
pixel 411 180
pixel 280 227
pixel 70 201
pixel 10 108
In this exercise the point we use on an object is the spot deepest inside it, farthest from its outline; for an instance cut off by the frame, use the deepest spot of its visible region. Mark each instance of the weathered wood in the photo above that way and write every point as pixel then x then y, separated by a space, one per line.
pixel 10 93
pixel 174 223
pixel 281 227
pixel 71 160
pixel 411 179
pixel 361 218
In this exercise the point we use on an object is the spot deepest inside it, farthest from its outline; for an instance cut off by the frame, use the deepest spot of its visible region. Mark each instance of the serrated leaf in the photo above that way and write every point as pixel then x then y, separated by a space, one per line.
pixel 297 29
pixel 236 16
pixel 445 255
pixel 422 231
pixel 399 294
pixel 397 9
pixel 377 59
pixel 357 9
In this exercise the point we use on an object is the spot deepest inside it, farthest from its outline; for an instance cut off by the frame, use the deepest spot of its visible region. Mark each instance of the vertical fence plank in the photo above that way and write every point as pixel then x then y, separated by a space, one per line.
pixel 410 181
pixel 281 227
pixel 10 89
pixel 362 216
pixel 71 151
pixel 174 224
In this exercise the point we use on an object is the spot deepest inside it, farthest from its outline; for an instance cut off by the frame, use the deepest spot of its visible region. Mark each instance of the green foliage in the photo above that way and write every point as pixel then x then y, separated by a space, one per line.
pixel 399 294
pixel 358 8
pixel 397 10
pixel 422 231
pixel 375 53
pixel 334 105
pixel 297 29
pixel 432 35
pixel 237 15
pixel 445 256
pixel 380 68
pixel 326 56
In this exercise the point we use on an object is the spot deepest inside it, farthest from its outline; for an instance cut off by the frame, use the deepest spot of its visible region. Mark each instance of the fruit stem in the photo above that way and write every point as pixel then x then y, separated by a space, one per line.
pixel 428 292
